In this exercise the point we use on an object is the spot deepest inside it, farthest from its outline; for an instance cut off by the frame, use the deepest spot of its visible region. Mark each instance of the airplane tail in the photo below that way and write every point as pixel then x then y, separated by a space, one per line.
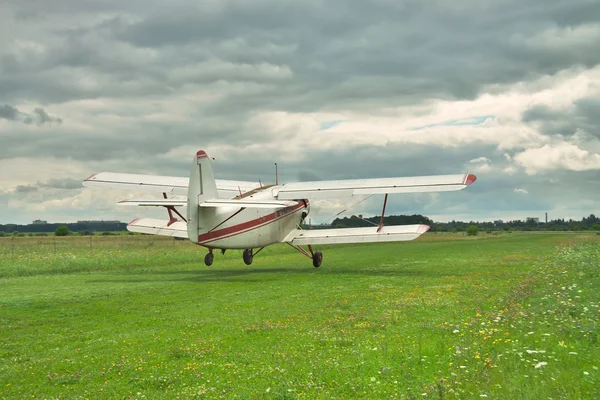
pixel 201 187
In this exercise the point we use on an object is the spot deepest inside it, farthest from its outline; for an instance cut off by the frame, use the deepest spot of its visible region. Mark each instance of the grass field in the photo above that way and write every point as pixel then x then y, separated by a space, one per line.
pixel 509 316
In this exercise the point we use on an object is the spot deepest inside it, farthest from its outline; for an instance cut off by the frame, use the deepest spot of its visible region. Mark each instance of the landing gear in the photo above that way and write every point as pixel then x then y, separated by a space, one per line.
pixel 316 256
pixel 248 256
pixel 208 259
pixel 317 259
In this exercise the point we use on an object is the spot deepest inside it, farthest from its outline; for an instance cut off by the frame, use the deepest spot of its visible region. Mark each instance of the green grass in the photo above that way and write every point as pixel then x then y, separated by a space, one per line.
pixel 446 316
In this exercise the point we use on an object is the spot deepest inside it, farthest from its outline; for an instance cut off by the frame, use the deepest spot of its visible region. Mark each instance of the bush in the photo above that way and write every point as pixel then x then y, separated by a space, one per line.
pixel 62 230
pixel 472 230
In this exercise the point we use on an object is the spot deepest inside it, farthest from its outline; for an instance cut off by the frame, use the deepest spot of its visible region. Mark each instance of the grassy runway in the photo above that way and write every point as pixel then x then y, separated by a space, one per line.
pixel 509 316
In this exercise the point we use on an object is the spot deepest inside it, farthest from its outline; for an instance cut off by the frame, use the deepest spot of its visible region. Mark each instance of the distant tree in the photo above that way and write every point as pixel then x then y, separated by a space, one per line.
pixel 2 233
pixel 596 227
pixel 62 230
pixel 472 230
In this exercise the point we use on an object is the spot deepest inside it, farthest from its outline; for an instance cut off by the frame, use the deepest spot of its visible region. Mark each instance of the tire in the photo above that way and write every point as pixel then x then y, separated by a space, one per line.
pixel 248 256
pixel 208 259
pixel 317 259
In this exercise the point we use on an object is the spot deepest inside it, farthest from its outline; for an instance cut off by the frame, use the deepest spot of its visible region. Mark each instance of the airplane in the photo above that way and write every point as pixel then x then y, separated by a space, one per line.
pixel 225 214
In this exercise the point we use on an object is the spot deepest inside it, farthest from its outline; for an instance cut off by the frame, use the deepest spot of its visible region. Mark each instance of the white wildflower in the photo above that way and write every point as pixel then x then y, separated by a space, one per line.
pixel 586 373
pixel 541 364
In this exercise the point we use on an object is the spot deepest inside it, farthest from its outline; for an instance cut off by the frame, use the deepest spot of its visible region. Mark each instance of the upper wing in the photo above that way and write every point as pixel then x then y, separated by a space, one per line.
pixel 162 184
pixel 356 235
pixel 351 187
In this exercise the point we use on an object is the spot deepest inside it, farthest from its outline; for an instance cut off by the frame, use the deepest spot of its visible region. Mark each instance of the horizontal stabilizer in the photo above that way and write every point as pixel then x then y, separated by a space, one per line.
pixel 356 235
pixel 154 203
pixel 158 227
pixel 247 203
pixel 353 187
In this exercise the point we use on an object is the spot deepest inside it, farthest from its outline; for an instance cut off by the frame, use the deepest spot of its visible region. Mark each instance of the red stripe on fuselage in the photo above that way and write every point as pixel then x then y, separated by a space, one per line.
pixel 249 225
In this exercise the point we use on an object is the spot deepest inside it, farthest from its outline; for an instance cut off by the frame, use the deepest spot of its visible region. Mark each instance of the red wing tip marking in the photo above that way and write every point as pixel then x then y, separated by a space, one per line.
pixel 90 177
pixel 201 154
pixel 423 229
pixel 469 179
pixel 134 221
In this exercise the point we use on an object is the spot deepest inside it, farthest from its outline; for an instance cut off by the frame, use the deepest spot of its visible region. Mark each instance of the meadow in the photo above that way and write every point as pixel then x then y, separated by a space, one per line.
pixel 445 316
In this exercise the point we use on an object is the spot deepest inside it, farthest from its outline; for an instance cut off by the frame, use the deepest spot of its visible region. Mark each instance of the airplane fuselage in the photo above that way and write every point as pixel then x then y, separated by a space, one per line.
pixel 242 228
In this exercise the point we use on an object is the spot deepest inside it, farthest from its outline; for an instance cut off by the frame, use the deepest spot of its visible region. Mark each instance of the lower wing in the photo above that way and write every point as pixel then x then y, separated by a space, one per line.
pixel 161 227
pixel 356 235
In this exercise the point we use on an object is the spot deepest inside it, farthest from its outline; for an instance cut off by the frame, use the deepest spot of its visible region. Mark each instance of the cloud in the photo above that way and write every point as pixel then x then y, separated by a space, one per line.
pixel 519 190
pixel 481 164
pixel 9 113
pixel 38 116
pixel 329 90
pixel 556 157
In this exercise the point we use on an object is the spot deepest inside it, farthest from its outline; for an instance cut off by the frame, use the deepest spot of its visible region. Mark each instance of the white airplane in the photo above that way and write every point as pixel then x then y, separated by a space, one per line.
pixel 225 214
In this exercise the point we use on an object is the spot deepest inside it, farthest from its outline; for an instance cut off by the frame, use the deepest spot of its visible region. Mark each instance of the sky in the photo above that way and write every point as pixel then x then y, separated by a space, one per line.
pixel 339 89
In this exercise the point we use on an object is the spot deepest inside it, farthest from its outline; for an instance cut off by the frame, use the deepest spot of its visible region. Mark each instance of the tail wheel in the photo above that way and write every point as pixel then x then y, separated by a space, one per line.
pixel 248 256
pixel 208 259
pixel 317 259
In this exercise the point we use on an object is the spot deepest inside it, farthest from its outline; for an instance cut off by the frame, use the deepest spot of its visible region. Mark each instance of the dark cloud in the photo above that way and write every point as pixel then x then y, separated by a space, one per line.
pixel 584 115
pixel 25 189
pixel 339 53
pixel 39 116
pixel 61 184
pixel 8 112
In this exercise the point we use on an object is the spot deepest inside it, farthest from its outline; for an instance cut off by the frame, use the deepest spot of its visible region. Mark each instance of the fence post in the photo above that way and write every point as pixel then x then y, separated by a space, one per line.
pixel 90 243
pixel 54 244
pixel 13 245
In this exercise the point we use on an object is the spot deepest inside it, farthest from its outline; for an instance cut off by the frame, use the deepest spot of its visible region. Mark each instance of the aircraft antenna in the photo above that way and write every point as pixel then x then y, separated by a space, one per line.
pixel 276 175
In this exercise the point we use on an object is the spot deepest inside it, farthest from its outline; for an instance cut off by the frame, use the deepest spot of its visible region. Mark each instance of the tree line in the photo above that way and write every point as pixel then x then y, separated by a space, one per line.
pixel 82 226
pixel 586 223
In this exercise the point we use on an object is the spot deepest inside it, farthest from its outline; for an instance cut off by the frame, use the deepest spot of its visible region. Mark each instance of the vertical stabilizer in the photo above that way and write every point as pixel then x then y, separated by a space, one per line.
pixel 202 187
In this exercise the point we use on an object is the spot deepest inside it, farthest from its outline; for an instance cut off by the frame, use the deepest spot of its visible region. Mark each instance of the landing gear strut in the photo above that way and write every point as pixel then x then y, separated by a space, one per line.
pixel 316 256
pixel 208 259
pixel 248 256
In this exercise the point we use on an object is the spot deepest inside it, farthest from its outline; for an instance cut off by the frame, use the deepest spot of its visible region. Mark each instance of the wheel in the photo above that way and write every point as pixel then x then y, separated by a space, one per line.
pixel 317 259
pixel 248 256
pixel 208 259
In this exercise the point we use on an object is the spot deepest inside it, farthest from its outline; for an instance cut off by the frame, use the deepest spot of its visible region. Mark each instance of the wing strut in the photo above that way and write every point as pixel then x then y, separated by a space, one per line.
pixel 302 251
pixel 170 210
pixel 382 213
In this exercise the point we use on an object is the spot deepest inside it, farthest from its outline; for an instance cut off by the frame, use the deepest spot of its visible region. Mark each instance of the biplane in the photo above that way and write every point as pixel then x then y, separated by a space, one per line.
pixel 225 214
